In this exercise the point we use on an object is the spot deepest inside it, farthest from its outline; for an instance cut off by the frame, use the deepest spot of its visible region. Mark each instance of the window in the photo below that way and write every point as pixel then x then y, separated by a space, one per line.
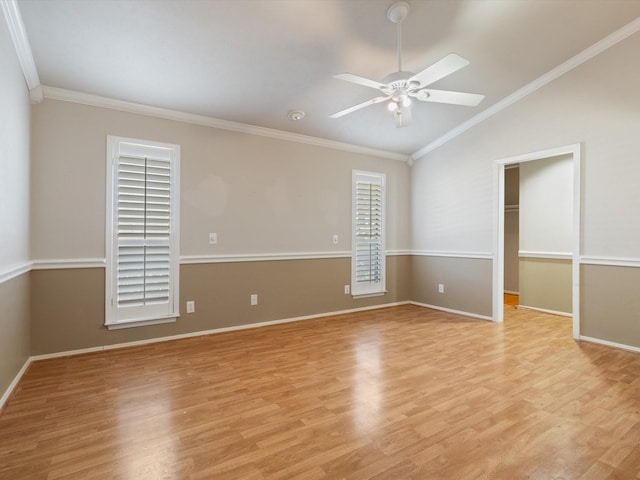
pixel 142 232
pixel 368 256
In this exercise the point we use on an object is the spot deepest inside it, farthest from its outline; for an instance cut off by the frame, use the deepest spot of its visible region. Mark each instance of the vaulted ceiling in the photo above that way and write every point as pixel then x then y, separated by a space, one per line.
pixel 252 61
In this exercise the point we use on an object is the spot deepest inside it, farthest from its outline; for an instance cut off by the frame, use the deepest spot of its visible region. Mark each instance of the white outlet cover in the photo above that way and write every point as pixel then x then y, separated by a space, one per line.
pixel 254 299
pixel 191 306
pixel 213 238
pixel 335 238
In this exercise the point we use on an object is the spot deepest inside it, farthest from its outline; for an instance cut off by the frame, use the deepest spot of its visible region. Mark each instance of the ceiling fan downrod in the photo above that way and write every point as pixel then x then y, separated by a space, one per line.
pixel 396 14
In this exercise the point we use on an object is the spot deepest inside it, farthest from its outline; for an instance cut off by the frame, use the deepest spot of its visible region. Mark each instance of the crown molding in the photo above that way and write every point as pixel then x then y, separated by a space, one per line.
pixel 21 42
pixel 64 95
pixel 587 54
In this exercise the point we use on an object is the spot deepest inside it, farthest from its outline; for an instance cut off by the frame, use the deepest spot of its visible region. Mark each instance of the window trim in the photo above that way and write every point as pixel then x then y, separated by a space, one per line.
pixel 377 289
pixel 117 146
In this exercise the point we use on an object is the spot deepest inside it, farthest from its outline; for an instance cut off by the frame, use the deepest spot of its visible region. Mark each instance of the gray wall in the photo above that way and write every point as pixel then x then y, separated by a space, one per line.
pixel 14 213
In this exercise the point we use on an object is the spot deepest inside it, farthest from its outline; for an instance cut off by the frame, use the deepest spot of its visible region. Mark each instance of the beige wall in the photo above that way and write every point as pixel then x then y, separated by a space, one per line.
pixel 546 283
pixel 467 283
pixel 68 304
pixel 610 303
pixel 14 328
pixel 14 212
pixel 260 195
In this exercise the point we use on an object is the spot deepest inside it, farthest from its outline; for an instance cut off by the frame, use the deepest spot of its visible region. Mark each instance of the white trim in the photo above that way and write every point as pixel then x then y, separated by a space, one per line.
pixel 213 331
pixel 545 310
pixel 547 255
pixel 394 253
pixel 7 393
pixel 61 94
pixel 141 322
pixel 15 272
pixel 260 257
pixel 607 343
pixel 611 261
pixel 64 263
pixel 451 310
pixel 575 150
pixel 587 54
pixel 67 353
pixel 69 263
pixel 432 253
pixel 21 42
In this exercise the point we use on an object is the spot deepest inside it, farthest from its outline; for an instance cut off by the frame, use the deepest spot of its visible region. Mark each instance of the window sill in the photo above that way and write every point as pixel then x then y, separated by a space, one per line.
pixel 367 295
pixel 140 322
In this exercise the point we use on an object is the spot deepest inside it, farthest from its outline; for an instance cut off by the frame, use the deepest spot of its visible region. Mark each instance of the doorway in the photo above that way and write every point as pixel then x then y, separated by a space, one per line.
pixel 574 151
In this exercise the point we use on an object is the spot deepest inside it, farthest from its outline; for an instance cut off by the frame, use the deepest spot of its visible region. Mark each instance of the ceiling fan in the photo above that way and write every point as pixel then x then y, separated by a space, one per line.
pixel 399 87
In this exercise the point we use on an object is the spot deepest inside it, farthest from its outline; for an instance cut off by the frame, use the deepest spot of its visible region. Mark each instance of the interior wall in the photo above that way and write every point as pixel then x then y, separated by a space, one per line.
pixel 546 205
pixel 68 304
pixel 14 213
pixel 466 283
pixel 264 197
pixel 511 229
pixel 595 104
pixel 546 234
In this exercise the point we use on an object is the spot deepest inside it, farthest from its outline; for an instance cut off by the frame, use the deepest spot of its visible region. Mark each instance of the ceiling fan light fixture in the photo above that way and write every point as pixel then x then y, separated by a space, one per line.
pixel 393 106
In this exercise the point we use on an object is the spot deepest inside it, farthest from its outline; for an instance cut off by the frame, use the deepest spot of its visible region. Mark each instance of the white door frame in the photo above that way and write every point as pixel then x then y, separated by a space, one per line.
pixel 498 229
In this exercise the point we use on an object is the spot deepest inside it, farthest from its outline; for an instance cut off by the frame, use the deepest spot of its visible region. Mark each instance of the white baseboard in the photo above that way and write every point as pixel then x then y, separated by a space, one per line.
pixel 544 310
pixel 14 383
pixel 450 310
pixel 607 343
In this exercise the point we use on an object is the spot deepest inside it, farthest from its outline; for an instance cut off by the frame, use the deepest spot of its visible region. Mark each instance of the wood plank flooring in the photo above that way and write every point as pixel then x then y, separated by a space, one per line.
pixel 396 393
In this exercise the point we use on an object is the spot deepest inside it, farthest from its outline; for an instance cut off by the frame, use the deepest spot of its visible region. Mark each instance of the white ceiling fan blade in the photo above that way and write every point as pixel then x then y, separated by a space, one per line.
pixel 350 77
pixel 403 116
pixel 358 107
pixel 443 67
pixel 445 96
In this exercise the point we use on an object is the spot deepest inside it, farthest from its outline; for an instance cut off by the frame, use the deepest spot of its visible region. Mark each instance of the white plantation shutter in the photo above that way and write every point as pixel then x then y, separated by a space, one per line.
pixel 142 268
pixel 368 257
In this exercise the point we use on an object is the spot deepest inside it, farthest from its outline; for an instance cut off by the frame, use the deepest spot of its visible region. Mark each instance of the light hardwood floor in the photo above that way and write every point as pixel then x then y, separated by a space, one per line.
pixel 396 393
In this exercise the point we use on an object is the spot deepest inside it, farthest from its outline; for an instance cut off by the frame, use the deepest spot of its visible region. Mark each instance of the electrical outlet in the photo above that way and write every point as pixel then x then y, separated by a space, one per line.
pixel 441 288
pixel 191 306
pixel 335 238
pixel 347 289
pixel 213 239
pixel 254 299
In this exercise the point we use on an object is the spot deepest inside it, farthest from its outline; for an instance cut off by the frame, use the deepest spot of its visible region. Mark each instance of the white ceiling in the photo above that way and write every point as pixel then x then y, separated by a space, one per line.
pixel 251 61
